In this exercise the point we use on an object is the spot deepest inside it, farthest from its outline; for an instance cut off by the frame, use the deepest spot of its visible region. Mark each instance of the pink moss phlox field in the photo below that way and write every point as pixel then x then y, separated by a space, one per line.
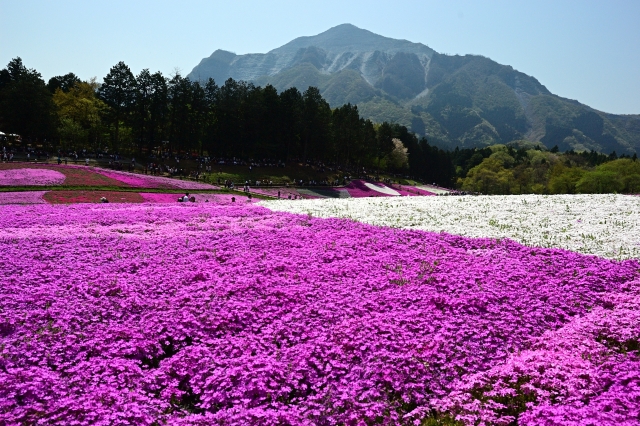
pixel 410 191
pixel 220 199
pixel 583 373
pixel 147 181
pixel 28 177
pixel 193 313
pixel 357 189
pixel 273 192
pixel 22 197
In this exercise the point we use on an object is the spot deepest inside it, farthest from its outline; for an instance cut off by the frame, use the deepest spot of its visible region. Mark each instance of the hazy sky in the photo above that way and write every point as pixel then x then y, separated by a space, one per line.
pixel 584 50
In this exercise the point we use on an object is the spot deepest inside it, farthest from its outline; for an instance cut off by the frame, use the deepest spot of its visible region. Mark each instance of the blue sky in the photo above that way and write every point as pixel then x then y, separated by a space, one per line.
pixel 584 50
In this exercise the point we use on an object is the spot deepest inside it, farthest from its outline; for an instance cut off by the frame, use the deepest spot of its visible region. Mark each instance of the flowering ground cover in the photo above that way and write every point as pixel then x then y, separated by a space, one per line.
pixel 313 193
pixel 358 189
pixel 27 176
pixel 80 196
pixel 194 313
pixel 22 197
pixel 434 189
pixel 273 192
pixel 148 181
pixel 362 189
pixel 413 190
pixel 73 175
pixel 605 225
pixel 583 373
pixel 220 199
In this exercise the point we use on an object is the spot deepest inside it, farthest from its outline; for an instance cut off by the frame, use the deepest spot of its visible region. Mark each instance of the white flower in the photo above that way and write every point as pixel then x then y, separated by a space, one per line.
pixel 604 225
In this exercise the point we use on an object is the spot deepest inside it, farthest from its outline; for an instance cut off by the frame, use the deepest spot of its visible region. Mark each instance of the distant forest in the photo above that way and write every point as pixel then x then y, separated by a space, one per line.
pixel 138 115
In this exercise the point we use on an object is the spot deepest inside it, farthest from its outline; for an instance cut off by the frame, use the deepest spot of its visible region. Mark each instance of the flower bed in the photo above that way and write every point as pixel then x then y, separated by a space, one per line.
pixel 26 197
pixel 410 191
pixel 313 192
pixel 194 313
pixel 358 189
pixel 605 225
pixel 362 189
pixel 220 199
pixel 73 175
pixel 79 196
pixel 591 365
pixel 273 192
pixel 148 181
pixel 28 176
pixel 436 190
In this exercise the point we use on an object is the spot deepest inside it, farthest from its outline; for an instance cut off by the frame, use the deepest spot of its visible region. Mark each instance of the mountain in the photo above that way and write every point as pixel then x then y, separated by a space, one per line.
pixel 465 101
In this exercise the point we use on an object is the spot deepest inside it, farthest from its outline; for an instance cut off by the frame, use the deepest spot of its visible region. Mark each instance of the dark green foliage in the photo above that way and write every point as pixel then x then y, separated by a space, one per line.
pixel 346 87
pixel 26 106
pixel 62 82
pixel 403 76
pixel 118 92
pixel 417 125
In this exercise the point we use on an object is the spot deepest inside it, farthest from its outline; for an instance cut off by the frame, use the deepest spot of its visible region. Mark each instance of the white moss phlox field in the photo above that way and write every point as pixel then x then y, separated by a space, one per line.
pixel 605 225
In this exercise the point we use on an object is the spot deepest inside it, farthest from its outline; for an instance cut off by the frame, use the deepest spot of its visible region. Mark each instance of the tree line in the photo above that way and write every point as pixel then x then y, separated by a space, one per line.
pixel 502 169
pixel 141 113
pixel 144 113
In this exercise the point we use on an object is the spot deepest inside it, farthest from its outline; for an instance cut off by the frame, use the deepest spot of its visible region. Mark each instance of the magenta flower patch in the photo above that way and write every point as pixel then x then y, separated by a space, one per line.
pixel 196 313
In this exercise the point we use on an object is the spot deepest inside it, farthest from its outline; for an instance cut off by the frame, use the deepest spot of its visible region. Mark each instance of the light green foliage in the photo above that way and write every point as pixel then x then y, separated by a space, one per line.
pixel 79 113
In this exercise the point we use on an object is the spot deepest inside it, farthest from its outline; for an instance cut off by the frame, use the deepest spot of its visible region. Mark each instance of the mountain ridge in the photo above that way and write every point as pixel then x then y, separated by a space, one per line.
pixel 466 101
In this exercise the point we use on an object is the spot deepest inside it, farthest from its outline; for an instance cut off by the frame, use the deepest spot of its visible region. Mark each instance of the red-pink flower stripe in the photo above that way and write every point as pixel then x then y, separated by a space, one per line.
pixel 24 197
pixel 193 313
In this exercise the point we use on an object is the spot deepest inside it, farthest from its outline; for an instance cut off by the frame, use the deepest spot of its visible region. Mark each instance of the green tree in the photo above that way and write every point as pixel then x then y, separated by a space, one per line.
pixel 316 124
pixel 291 123
pixel 564 179
pixel 384 141
pixel 398 158
pixel 599 182
pixel 26 107
pixel 79 112
pixel 347 133
pixel 489 177
pixel 62 82
pixel 118 92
